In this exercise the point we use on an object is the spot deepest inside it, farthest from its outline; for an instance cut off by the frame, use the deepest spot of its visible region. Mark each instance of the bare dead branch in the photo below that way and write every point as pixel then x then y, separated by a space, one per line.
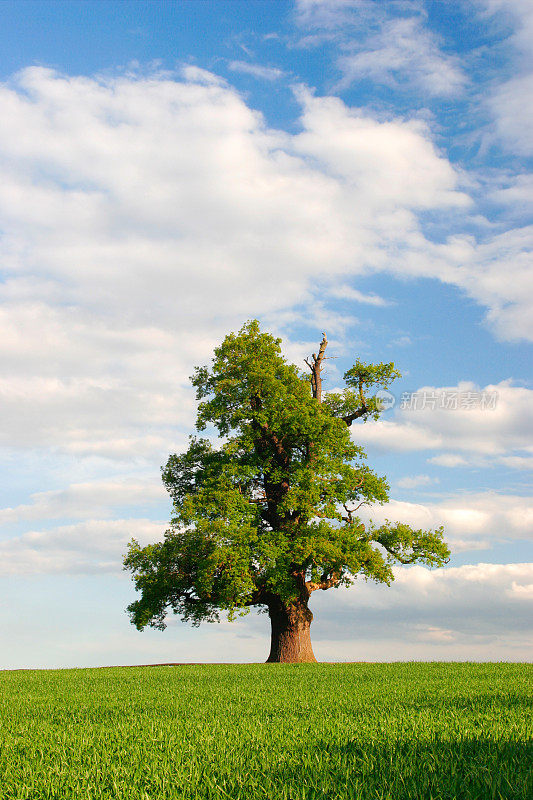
pixel 316 368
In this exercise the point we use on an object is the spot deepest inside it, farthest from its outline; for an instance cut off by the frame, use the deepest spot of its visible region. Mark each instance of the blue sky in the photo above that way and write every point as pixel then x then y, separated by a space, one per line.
pixel 171 169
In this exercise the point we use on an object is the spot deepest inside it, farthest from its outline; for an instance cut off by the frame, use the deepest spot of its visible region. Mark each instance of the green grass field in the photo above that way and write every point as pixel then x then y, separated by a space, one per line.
pixel 392 731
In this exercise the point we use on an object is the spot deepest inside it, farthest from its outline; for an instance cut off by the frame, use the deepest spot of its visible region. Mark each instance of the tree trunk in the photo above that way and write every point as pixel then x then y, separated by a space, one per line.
pixel 291 633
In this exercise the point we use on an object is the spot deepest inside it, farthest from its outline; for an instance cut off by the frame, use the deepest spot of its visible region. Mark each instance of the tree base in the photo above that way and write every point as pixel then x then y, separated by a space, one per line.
pixel 291 634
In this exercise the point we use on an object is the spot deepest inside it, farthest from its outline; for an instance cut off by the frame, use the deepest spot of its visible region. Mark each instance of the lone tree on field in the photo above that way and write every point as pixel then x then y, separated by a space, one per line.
pixel 269 517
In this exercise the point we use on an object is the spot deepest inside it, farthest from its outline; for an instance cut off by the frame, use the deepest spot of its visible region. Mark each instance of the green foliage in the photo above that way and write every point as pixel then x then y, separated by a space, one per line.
pixel 354 400
pixel 270 512
pixel 249 732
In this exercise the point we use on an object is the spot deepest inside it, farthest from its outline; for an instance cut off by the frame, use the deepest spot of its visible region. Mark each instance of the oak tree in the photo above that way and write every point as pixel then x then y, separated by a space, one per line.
pixel 268 515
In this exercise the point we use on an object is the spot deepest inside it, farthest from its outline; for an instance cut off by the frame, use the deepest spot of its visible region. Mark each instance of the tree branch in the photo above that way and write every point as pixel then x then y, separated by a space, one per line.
pixel 397 556
pixel 324 583
pixel 257 598
pixel 316 368
pixel 361 411
pixel 351 511
pixel 349 418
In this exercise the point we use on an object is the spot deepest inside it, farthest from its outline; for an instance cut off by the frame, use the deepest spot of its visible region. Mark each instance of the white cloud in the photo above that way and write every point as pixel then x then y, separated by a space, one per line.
pixel 520 591
pixel 403 54
pixel 414 481
pixel 501 430
pixel 496 272
pixel 448 460
pixel 199 76
pixel 86 499
pixel 402 341
pixel 517 462
pixel 93 546
pixel 374 42
pixel 391 43
pixel 387 435
pixel 473 460
pixel 512 109
pixel 480 611
pixel 390 163
pixel 256 70
pixel 502 280
pixel 510 100
pixel 328 13
pixel 144 217
pixel 517 192
pixel 518 14
pixel 472 521
pixel 345 292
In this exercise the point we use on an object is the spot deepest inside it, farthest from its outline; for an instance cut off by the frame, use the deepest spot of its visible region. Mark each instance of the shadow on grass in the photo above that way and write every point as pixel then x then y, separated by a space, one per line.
pixel 469 769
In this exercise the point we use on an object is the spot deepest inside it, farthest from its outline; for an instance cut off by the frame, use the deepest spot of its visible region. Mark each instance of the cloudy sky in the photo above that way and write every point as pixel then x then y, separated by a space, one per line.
pixel 170 170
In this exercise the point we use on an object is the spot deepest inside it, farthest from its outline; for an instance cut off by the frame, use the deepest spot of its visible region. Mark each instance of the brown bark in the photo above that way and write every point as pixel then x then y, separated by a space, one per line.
pixel 291 633
pixel 316 369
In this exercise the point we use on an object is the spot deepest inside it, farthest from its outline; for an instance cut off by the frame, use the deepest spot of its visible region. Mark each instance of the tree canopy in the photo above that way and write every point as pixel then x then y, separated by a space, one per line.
pixel 268 514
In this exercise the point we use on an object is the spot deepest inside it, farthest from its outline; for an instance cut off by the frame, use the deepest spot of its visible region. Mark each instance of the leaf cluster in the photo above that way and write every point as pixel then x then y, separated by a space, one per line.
pixel 355 401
